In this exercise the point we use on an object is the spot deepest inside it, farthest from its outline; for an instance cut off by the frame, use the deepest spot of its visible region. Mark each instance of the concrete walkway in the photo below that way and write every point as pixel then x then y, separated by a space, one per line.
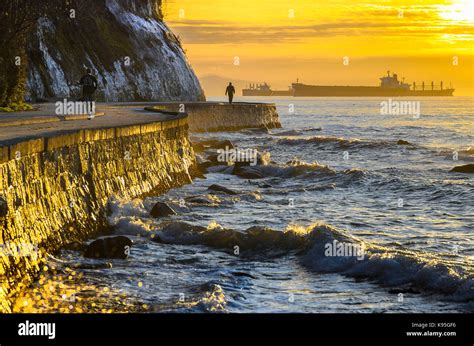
pixel 203 117
pixel 19 126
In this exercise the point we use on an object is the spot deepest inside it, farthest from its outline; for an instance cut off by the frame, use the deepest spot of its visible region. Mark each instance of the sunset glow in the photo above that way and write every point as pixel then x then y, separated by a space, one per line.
pixel 279 41
pixel 460 10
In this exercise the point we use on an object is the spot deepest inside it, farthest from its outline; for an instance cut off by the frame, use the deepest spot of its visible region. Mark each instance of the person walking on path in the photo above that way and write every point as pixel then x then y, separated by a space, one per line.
pixel 89 86
pixel 230 91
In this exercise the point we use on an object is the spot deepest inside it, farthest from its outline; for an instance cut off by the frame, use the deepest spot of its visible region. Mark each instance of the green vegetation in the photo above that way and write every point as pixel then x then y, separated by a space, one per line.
pixel 18 18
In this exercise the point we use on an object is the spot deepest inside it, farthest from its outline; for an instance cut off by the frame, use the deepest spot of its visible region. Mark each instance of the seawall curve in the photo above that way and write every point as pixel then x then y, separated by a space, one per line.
pixel 54 190
pixel 220 116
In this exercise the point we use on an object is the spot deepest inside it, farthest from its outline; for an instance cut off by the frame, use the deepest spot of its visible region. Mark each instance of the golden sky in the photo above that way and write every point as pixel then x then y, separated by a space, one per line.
pixel 280 40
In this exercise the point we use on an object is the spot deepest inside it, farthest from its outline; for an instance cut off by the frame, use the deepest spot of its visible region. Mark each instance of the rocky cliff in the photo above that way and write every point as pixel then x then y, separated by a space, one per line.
pixel 126 44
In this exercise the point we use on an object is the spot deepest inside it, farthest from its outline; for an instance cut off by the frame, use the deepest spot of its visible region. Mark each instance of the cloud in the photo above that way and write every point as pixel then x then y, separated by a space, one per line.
pixel 218 32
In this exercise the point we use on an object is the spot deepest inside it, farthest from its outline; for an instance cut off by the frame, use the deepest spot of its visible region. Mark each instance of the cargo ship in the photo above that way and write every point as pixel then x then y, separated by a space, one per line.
pixel 389 86
pixel 265 90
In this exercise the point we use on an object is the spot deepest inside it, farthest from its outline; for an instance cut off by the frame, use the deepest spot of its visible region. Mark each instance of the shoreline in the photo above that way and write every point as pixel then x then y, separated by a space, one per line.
pixel 56 190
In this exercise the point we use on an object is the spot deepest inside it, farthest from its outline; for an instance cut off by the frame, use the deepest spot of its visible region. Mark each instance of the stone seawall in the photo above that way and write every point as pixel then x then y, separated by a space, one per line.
pixel 54 190
pixel 215 116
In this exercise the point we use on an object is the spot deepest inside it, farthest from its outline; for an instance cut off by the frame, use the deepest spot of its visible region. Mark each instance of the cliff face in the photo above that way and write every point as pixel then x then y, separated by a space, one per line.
pixel 126 44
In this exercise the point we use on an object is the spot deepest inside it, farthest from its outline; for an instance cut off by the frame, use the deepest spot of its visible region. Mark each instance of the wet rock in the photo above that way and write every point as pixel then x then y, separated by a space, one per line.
pixel 110 247
pixel 185 233
pixel 260 159
pixel 247 172
pixel 200 159
pixel 403 142
pixel 264 185
pixel 241 158
pixel 218 144
pixel 240 274
pixel 219 188
pixel 161 209
pixel 3 207
pixel 214 159
pixel 464 169
pixel 213 144
pixel 203 163
pixel 180 227
pixel 198 200
pixel 246 169
pixel 199 174
pixel 202 200
pixel 403 290
pixel 156 239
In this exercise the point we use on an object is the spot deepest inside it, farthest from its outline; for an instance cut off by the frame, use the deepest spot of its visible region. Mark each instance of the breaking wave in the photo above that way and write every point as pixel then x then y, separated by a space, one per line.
pixel 385 266
pixel 292 169
pixel 463 154
pixel 392 267
pixel 210 299
pixel 295 132
pixel 343 142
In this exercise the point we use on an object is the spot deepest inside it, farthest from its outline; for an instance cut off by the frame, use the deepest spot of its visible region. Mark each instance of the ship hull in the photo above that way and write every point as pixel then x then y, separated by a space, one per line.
pixel 282 93
pixel 253 92
pixel 302 90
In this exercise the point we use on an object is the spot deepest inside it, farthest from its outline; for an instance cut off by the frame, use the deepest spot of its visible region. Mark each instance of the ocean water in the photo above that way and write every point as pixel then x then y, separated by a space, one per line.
pixel 335 172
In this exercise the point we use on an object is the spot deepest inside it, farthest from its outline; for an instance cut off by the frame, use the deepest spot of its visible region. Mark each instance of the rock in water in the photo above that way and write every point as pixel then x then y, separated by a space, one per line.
pixel 247 172
pixel 203 163
pixel 214 160
pixel 464 169
pixel 129 48
pixel 161 209
pixel 260 159
pixel 110 247
pixel 182 228
pixel 156 239
pixel 213 144
pixel 403 142
pixel 219 188
pixel 264 185
pixel 206 200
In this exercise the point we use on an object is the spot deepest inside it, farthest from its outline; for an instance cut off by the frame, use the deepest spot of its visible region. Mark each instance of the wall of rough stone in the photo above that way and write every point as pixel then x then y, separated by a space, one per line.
pixel 216 116
pixel 56 190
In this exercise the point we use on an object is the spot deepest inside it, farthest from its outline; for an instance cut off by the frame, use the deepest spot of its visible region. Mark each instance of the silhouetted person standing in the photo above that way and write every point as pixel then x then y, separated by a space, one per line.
pixel 230 91
pixel 89 86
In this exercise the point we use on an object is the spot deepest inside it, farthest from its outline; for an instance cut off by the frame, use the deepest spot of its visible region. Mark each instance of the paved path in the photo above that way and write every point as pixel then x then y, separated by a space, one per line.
pixel 18 126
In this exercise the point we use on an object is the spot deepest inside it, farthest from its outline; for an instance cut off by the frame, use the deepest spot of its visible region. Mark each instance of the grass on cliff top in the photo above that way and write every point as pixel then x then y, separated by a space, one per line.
pixel 16 107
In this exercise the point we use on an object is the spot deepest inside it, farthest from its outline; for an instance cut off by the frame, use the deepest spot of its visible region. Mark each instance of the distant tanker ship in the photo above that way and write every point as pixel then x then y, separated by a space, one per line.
pixel 389 86
pixel 265 90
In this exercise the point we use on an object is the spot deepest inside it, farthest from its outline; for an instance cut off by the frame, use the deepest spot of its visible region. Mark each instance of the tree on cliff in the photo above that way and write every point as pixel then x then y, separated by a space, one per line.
pixel 17 19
